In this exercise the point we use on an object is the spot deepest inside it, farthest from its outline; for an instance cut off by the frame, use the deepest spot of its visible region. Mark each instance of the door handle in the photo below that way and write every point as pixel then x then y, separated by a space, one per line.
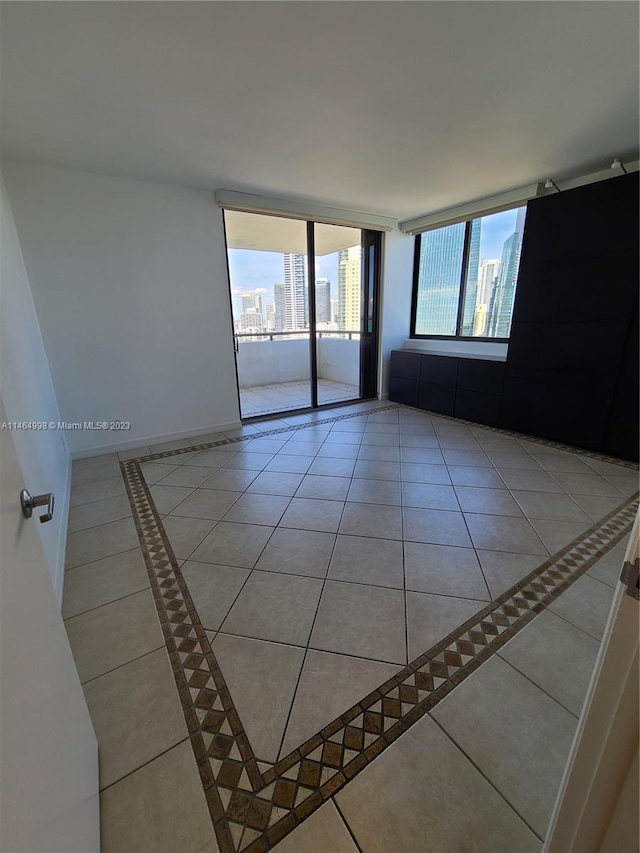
pixel 235 344
pixel 29 503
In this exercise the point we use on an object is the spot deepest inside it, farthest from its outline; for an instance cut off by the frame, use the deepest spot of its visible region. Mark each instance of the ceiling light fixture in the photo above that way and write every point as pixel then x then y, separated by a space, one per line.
pixel 617 164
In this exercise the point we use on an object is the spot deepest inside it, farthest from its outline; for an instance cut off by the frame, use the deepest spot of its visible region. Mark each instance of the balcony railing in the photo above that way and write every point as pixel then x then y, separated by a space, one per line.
pixel 260 362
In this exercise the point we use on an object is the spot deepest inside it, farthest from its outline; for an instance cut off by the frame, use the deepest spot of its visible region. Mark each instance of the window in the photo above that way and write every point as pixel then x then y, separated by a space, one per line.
pixel 465 277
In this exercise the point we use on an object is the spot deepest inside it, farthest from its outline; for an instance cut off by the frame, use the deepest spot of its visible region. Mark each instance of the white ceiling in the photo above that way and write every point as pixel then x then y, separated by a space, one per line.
pixel 398 108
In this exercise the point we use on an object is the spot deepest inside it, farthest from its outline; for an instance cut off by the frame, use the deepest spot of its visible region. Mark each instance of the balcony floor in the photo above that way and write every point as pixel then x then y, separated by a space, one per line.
pixel 285 396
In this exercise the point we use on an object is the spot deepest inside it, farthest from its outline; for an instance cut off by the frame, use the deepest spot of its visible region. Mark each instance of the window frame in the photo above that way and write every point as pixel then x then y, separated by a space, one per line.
pixel 413 335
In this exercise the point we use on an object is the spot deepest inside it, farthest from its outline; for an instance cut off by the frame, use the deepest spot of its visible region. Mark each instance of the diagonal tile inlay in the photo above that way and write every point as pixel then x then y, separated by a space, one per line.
pixel 252 810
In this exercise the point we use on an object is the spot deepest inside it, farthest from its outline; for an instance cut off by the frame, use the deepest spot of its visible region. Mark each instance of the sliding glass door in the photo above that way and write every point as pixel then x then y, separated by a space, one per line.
pixel 303 298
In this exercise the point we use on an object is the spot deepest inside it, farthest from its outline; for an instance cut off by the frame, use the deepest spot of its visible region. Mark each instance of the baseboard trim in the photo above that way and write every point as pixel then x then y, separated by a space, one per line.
pixel 145 441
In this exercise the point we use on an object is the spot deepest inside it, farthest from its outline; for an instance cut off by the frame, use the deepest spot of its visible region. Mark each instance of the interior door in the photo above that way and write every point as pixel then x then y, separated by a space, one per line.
pixel 48 749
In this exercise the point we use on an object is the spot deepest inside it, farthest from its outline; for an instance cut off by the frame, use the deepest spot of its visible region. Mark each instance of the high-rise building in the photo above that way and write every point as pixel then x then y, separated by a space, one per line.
pixel 471 290
pixel 323 300
pixel 279 307
pixel 349 288
pixel 439 272
pixel 501 307
pixel 295 293
pixel 270 317
pixel 487 279
pixel 252 301
pixel 334 311
pixel 251 322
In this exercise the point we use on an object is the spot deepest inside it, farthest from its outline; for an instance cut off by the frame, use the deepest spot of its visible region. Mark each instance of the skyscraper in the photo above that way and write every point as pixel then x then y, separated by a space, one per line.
pixel 439 271
pixel 295 294
pixel 349 288
pixel 501 307
pixel 323 300
pixel 487 279
pixel 279 305
pixel 470 294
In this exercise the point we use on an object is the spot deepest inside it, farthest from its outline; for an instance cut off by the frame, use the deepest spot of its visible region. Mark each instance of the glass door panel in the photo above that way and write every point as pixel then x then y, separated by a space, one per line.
pixel 338 311
pixel 268 276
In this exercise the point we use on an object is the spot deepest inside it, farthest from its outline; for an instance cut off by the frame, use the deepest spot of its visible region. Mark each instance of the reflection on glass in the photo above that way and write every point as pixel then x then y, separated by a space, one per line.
pixel 338 256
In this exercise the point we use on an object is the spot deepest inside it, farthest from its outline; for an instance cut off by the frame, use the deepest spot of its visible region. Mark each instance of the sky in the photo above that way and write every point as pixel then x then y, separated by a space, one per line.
pixel 252 271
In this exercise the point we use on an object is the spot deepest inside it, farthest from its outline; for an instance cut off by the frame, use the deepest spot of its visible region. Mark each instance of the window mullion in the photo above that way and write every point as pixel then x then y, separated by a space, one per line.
pixel 463 276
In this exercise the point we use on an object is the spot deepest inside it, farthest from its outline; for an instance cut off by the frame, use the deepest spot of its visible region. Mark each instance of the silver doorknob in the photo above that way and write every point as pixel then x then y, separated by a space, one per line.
pixel 29 503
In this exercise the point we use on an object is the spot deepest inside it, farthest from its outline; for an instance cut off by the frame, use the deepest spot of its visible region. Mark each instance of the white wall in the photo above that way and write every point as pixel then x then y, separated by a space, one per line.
pixel 130 286
pixel 397 282
pixel 28 395
pixel 270 362
pixel 339 360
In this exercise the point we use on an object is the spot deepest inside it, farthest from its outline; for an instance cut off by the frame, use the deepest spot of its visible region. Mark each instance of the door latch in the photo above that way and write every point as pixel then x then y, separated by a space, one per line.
pixel 630 577
pixel 30 502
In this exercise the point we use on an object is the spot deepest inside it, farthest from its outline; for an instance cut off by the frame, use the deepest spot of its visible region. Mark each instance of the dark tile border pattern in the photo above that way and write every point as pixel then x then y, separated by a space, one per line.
pixel 252 811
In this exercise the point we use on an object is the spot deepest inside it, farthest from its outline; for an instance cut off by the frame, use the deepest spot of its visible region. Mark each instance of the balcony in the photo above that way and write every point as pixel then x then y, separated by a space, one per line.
pixel 274 373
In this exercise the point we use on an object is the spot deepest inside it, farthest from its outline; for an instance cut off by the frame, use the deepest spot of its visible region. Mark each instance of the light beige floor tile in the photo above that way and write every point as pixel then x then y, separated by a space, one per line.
pixel 597 506
pixel 187 475
pixel 97 490
pixel 213 590
pixel 585 484
pixel 627 484
pixel 444 570
pixel 207 438
pixel 531 481
pixel 431 617
pixel 271 444
pixel 585 604
pixel 422 455
pixel 260 676
pixel 103 581
pixel 98 512
pixel 310 514
pixel 136 714
pixel 276 483
pixel 386 492
pixel 519 461
pixel 207 503
pixel 114 634
pixel 565 462
pixel 381 439
pixel 415 472
pixel 376 453
pixel 422 794
pixel 493 443
pixel 556 656
pixel 607 468
pixel 608 568
pixel 176 444
pixel 290 464
pixel 233 544
pixel 301 448
pixel 497 533
pixel 176 459
pixel 185 534
pixel 134 453
pixel 275 607
pixel 167 498
pixel 160 807
pixel 258 509
pixel 342 438
pixel 515 734
pixel 232 479
pixel 102 541
pixel 334 450
pixel 367 469
pixel 297 552
pixel 216 457
pixel 557 534
pixel 418 440
pixel 372 520
pixel 323 487
pixel 153 472
pixel 549 505
pixel 504 570
pixel 364 621
pixel 435 526
pixel 489 501
pixel 332 467
pixel 429 496
pixel 360 559
pixel 329 685
pixel 85 471
pixel 323 832
pixel 475 476
pixel 467 458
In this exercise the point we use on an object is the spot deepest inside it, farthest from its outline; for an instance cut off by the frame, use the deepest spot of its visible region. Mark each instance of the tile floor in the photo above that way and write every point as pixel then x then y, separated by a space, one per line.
pixel 284 396
pixel 321 560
